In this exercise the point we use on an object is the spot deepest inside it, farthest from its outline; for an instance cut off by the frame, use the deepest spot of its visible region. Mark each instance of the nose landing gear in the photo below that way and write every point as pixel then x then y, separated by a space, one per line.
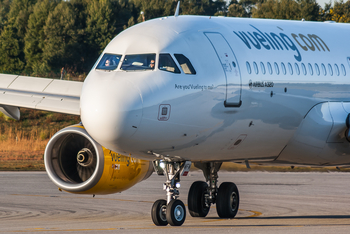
pixel 172 210
pixel 200 197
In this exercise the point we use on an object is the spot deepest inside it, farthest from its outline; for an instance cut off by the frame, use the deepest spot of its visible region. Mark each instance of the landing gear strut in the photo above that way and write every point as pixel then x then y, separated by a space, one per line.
pixel 172 210
pixel 201 196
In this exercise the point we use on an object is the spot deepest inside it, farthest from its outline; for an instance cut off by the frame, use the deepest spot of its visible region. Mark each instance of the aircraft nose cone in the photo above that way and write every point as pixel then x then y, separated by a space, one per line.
pixel 111 112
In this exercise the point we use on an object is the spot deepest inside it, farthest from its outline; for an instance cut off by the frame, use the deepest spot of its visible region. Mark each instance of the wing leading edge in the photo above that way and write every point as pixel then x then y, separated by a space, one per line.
pixel 38 93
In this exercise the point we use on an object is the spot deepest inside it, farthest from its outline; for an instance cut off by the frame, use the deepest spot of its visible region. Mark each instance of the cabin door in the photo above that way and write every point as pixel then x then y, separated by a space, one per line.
pixel 230 66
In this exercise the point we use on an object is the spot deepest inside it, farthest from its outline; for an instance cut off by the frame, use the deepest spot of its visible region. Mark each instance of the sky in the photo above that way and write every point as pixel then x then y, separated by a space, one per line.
pixel 320 2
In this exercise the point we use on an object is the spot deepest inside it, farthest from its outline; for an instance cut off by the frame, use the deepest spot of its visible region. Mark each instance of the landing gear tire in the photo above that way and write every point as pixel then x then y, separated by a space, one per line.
pixel 159 213
pixel 227 201
pixel 176 213
pixel 196 199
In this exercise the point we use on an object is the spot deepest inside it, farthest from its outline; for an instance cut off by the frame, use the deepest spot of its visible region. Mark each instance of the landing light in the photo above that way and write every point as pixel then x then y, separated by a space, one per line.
pixel 162 165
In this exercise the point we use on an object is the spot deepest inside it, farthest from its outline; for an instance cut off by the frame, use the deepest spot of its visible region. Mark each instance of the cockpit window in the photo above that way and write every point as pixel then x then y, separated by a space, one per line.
pixel 138 62
pixel 109 62
pixel 185 64
pixel 166 63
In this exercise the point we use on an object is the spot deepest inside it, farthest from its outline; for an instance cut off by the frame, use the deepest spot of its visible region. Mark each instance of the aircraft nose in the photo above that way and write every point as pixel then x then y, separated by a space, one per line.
pixel 110 111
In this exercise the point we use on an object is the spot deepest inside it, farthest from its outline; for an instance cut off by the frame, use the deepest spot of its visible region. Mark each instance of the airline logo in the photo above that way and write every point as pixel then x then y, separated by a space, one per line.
pixel 274 41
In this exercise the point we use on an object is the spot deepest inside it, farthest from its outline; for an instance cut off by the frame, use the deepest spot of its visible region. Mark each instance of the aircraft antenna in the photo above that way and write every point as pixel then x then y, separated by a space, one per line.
pixel 177 9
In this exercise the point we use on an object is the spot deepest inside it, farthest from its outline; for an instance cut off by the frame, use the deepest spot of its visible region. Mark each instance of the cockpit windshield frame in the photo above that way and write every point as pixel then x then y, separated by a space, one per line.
pixel 185 64
pixel 138 62
pixel 166 63
pixel 109 62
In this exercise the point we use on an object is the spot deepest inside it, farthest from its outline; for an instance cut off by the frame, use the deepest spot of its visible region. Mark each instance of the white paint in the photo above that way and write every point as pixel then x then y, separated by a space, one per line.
pixel 280 93
pixel 200 127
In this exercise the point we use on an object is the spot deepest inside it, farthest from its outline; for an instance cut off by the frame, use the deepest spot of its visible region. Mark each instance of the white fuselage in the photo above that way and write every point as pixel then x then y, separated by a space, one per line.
pixel 285 113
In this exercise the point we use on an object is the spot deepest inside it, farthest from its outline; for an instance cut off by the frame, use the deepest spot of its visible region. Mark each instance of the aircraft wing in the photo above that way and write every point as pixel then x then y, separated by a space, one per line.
pixel 38 93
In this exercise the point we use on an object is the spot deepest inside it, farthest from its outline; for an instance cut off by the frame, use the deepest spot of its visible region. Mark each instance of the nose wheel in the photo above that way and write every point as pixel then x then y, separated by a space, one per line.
pixel 158 213
pixel 171 211
pixel 176 213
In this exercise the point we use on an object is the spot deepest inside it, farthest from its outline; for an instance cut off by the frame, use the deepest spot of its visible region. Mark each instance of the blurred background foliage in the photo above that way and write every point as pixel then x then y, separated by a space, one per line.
pixel 39 37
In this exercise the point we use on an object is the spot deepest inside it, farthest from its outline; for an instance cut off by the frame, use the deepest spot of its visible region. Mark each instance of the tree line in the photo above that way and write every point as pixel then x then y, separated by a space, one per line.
pixel 38 37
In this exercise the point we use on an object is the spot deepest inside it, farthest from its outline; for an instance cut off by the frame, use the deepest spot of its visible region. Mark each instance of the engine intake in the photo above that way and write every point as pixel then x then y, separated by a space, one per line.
pixel 76 163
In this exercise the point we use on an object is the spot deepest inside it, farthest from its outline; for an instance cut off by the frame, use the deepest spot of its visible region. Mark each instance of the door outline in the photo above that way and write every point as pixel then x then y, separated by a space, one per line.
pixel 227 104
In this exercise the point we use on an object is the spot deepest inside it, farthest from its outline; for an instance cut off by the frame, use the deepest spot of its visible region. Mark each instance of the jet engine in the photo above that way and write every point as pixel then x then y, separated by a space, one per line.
pixel 76 163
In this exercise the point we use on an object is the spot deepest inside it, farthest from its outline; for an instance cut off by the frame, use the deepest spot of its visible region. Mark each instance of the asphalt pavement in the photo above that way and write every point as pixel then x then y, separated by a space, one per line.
pixel 270 203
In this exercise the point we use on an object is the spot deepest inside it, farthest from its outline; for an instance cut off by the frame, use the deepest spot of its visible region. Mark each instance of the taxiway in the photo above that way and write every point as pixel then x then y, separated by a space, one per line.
pixel 270 203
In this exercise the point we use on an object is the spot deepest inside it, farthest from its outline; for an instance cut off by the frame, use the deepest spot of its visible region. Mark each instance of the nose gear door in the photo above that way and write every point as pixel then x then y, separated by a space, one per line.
pixel 230 66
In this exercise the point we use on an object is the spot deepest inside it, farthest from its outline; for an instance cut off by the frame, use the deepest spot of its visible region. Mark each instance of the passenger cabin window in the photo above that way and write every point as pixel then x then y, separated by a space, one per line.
pixel 255 68
pixel 138 62
pixel 166 63
pixel 185 64
pixel 277 70
pixel 311 71
pixel 262 68
pixel 249 69
pixel 290 68
pixel 109 62
pixel 324 69
pixel 303 68
pixel 336 68
pixel 283 69
pixel 343 69
pixel 269 67
pixel 317 69
pixel 297 70
pixel 330 70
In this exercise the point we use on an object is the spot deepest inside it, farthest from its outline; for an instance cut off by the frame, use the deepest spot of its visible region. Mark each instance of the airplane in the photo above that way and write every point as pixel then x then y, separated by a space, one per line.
pixel 178 90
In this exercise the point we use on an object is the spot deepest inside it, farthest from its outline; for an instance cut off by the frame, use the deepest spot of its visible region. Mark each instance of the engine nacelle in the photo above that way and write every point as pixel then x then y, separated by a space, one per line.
pixel 76 163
